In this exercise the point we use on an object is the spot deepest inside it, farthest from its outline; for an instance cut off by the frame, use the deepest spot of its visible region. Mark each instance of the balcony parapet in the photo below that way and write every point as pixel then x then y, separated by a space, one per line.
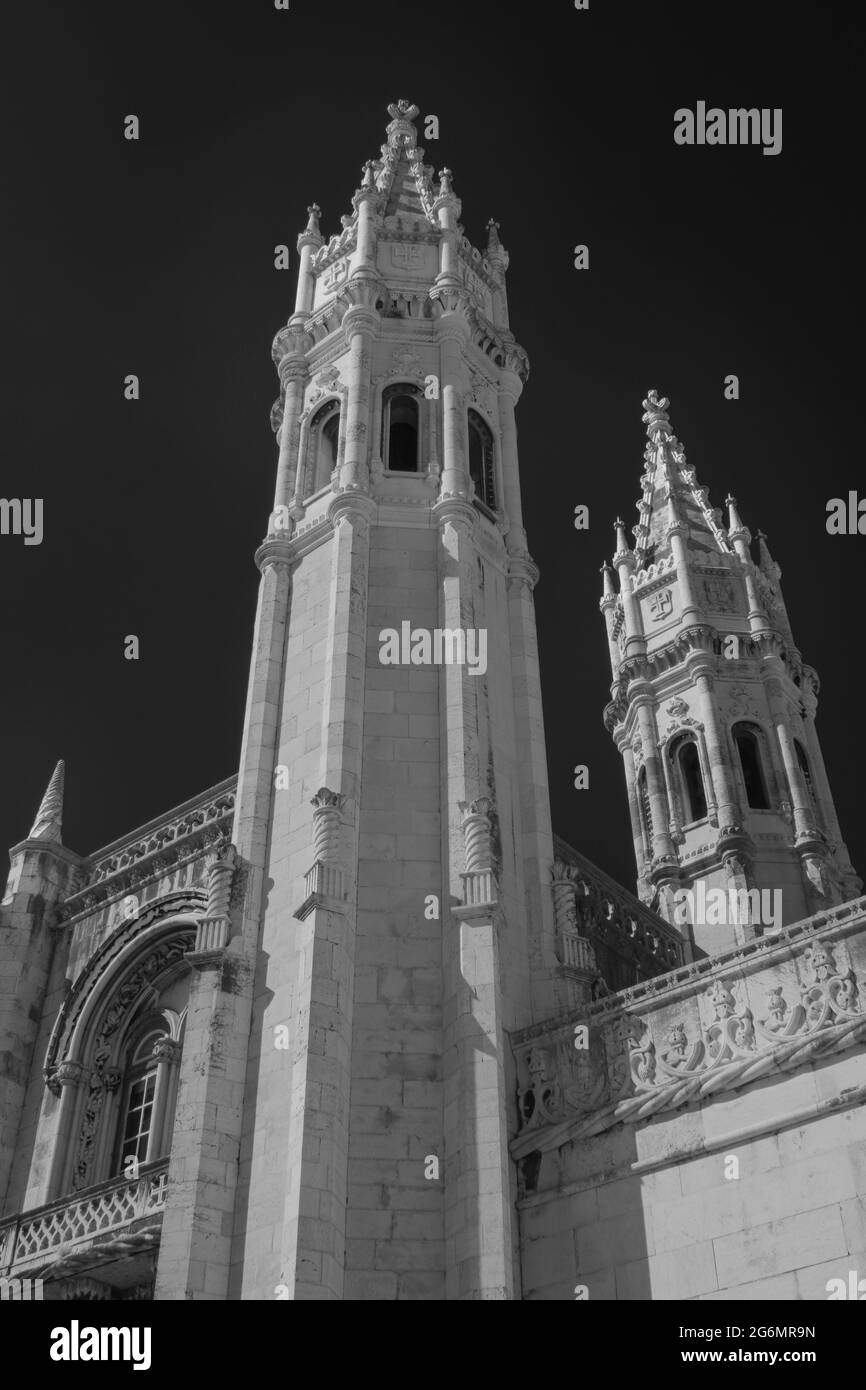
pixel 707 1028
pixel 81 1231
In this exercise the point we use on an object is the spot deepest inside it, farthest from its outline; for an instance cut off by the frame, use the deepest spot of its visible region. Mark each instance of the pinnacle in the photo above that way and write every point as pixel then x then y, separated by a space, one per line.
pixel 49 818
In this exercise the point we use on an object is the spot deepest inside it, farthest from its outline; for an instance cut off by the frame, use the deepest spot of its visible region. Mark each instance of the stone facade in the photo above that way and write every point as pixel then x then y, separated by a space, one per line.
pixel 354 1024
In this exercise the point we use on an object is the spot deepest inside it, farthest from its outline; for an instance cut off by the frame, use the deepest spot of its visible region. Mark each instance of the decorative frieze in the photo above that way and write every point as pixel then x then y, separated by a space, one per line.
pixel 718 1025
pixel 166 847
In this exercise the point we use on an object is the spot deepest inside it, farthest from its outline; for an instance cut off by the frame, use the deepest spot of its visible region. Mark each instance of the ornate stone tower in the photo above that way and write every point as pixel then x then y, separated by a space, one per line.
pixel 392 914
pixel 713 710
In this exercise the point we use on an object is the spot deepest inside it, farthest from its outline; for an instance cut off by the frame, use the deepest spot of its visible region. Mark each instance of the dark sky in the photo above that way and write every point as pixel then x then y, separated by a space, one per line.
pixel 156 258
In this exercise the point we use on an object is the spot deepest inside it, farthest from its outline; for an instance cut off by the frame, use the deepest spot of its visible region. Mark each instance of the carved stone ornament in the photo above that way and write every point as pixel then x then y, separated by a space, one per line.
pixel 406 359
pixel 708 1042
pixel 661 605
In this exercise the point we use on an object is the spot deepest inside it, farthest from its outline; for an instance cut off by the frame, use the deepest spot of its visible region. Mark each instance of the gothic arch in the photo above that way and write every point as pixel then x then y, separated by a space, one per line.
pixel 324 438
pixel 136 975
pixel 402 430
pixel 481 453
pixel 753 763
pixel 688 782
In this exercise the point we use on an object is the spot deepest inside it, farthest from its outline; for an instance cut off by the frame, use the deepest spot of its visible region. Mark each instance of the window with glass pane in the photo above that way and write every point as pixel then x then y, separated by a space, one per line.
pixel 139 1112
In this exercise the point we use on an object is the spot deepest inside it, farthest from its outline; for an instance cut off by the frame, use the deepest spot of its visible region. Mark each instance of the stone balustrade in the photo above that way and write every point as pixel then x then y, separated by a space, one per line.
pixel 86 1229
pixel 712 1026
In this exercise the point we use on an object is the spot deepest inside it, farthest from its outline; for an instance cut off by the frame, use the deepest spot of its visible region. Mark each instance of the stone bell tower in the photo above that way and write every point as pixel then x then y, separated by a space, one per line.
pixel 394 915
pixel 713 711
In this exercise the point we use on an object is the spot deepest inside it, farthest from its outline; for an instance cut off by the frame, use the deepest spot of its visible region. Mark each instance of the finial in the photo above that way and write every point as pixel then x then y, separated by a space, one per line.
pixel 445 177
pixel 493 242
pixel 369 180
pixel 49 818
pixel 314 212
pixel 401 131
pixel 607 573
pixel 403 110
pixel 734 521
pixel 622 545
pixel 655 415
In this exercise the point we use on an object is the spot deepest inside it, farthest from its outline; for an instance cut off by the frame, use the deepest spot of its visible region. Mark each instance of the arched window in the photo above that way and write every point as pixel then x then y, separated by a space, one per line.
pixel 747 742
pixel 646 808
pixel 807 773
pixel 137 1104
pixel 481 469
pixel 401 433
pixel 324 435
pixel 148 1096
pixel 688 763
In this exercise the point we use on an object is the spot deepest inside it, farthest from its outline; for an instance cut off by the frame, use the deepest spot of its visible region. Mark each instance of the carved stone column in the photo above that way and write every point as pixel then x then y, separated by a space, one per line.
pixel 293 371
pixel 663 845
pixel 166 1054
pixel 325 878
pixel 212 931
pixel 804 820
pixel 478 885
pixel 452 331
pixel 721 778
pixel 359 326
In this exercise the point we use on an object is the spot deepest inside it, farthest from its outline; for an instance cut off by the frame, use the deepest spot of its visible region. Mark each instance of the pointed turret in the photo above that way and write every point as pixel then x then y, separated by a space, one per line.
pixel 48 824
pixel 41 871
pixel 713 711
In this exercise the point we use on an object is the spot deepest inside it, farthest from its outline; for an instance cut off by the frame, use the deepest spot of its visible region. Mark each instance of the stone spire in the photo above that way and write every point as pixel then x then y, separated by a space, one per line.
pixel 713 711
pixel 673 500
pixel 49 818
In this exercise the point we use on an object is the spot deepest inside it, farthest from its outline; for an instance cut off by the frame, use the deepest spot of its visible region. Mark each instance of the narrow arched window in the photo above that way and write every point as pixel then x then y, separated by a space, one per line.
pixel 324 436
pixel 645 806
pixel 688 763
pixel 807 773
pixel 747 742
pixel 137 1116
pixel 401 433
pixel 481 467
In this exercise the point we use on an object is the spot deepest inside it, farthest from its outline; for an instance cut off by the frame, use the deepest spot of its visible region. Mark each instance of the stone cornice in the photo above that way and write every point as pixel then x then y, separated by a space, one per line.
pixel 158 848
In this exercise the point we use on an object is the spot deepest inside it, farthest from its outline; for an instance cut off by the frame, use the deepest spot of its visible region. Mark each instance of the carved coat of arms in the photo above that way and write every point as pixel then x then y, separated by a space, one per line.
pixel 661 605
pixel 406 255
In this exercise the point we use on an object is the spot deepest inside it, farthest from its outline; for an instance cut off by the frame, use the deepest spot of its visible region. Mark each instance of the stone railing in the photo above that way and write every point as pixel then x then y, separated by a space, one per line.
pixel 713 1026
pixel 159 848
pixel 105 1222
pixel 629 942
